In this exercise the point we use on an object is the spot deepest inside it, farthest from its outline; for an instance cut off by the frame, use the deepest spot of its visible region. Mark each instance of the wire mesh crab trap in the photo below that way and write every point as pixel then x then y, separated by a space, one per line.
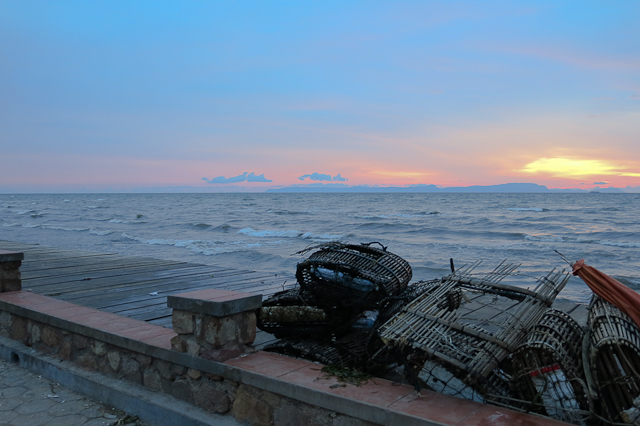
pixel 614 359
pixel 548 373
pixel 295 313
pixel 355 276
pixel 464 346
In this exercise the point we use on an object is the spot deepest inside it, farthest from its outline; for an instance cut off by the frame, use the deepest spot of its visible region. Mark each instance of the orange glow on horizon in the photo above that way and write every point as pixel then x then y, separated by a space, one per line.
pixel 576 168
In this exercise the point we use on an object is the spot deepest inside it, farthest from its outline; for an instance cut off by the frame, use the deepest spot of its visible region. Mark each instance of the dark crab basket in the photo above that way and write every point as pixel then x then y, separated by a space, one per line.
pixel 351 350
pixel 548 369
pixel 614 358
pixel 334 322
pixel 356 276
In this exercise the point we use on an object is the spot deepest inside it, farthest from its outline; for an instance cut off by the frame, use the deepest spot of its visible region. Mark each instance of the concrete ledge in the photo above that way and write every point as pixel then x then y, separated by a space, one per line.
pixel 381 402
pixel 215 302
pixel 156 408
pixel 10 256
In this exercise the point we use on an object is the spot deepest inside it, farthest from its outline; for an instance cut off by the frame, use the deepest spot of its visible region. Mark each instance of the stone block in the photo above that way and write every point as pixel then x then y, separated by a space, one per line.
pixel 50 336
pixel 88 360
pixel 5 323
pixel 143 359
pixel 179 344
pixel 99 348
pixel 114 360
pixel 183 322
pixel 249 408
pixel 291 415
pixel 152 380
pixel 35 332
pixel 193 348
pixel 180 389
pixel 164 368
pixel 18 329
pixel 131 370
pixel 80 341
pixel 194 374
pixel 207 397
pixel 64 351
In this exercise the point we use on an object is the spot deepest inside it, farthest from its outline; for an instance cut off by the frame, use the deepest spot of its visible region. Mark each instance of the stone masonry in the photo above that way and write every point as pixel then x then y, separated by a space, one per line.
pixel 10 271
pixel 214 324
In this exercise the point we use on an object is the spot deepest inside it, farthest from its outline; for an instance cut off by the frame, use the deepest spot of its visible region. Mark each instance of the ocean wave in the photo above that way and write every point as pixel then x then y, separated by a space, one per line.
pixel 224 227
pixel 201 225
pixel 288 212
pixel 270 233
pixel 36 215
pixel 25 211
pixel 393 215
pixel 123 221
pixel 580 240
pixel 204 247
pixel 545 238
pixel 321 237
pixel 62 228
pixel 96 231
pixel 624 244
pixel 527 209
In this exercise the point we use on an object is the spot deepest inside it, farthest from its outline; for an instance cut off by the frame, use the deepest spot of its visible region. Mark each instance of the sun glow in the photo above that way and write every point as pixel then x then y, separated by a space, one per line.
pixel 575 168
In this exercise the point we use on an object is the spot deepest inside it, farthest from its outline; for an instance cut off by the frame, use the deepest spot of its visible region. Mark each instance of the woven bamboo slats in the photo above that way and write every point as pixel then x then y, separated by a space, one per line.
pixel 614 358
pixel 353 276
pixel 473 339
pixel 548 369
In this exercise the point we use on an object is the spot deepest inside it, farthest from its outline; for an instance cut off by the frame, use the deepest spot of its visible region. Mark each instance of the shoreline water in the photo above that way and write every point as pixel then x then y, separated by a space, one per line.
pixel 264 231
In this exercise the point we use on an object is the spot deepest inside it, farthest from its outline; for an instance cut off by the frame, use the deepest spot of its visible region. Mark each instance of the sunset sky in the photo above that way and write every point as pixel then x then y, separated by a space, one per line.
pixel 122 95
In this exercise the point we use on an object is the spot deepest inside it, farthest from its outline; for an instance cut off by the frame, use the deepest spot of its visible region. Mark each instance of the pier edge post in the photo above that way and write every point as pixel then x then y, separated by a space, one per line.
pixel 10 279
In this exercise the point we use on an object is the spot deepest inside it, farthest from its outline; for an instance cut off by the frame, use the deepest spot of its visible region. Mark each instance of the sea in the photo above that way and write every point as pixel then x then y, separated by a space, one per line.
pixel 265 231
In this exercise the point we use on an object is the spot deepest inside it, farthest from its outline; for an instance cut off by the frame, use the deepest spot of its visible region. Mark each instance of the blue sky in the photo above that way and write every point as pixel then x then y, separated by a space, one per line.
pixel 119 95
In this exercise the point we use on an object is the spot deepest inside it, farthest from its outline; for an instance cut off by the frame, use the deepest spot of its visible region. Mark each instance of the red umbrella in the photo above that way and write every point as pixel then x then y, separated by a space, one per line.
pixel 611 290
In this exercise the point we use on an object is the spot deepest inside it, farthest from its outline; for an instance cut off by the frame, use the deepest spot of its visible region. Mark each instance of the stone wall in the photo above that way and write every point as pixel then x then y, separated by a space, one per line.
pixel 210 392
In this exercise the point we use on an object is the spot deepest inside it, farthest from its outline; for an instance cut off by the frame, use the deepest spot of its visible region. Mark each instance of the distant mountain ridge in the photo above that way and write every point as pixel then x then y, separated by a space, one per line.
pixel 425 188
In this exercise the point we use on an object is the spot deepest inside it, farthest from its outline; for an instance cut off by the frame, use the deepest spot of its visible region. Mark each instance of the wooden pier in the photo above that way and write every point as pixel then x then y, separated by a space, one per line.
pixel 134 287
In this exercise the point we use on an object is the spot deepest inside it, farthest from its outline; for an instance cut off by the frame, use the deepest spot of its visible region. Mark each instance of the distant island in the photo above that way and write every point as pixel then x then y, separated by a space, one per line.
pixel 425 188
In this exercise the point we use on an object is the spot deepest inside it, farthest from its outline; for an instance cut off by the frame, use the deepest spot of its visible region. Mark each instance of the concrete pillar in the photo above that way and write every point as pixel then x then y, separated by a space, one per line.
pixel 10 262
pixel 214 324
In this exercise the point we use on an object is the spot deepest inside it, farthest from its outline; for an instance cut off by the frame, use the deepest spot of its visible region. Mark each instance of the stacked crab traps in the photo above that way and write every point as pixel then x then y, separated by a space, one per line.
pixel 341 287
pixel 353 276
pixel 614 360
pixel 458 350
pixel 548 370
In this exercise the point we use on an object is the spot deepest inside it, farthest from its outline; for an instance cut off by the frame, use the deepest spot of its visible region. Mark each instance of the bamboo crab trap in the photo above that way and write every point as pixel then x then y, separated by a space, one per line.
pixel 614 359
pixel 458 350
pixel 351 350
pixel 354 276
pixel 295 313
pixel 548 372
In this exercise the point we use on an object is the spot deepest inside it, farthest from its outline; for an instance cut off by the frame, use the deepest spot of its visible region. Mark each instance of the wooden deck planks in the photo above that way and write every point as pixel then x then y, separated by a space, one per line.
pixel 125 285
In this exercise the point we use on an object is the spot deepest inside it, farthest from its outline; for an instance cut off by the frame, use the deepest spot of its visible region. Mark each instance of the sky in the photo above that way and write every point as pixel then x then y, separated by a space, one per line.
pixel 120 95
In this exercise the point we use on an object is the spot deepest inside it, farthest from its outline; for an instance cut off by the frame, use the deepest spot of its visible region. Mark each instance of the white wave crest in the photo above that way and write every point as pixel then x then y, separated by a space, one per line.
pixel 100 231
pixel 527 209
pixel 207 248
pixel 544 238
pixel 624 244
pixel 270 233
pixel 318 238
pixel 62 228
pixel 25 211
